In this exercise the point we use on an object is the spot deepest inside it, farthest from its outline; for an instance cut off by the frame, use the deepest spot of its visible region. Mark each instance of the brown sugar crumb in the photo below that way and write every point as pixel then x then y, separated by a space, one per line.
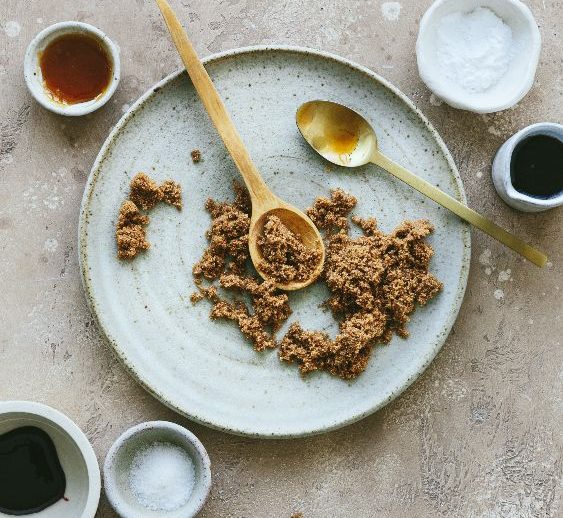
pixel 196 156
pixel 144 192
pixel 196 297
pixel 286 258
pixel 346 356
pixel 375 281
pixel 270 308
pixel 130 233
pixel 171 193
pixel 332 214
pixel 250 325
pixel 228 241
pixel 270 305
pixel 242 199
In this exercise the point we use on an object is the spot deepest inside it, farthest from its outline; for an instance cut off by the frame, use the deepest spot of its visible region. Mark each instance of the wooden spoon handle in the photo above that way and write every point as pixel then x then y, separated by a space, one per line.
pixel 214 106
pixel 460 209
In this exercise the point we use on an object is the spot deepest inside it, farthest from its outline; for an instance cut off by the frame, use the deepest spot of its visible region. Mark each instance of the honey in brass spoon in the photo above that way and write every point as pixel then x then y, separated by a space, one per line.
pixel 339 133
pixel 76 68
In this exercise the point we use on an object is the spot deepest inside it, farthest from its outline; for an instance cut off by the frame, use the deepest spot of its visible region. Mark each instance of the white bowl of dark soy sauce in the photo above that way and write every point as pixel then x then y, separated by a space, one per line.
pixel 48 468
pixel 528 168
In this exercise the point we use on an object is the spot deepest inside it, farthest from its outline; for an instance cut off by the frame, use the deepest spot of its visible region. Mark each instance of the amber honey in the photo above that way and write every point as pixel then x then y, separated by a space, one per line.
pixel 339 132
pixel 342 141
pixel 76 68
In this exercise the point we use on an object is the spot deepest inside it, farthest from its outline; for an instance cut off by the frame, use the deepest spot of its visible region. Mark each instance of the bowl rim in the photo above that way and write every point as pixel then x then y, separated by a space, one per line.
pixel 113 494
pixel 458 101
pixel 56 417
pixel 37 90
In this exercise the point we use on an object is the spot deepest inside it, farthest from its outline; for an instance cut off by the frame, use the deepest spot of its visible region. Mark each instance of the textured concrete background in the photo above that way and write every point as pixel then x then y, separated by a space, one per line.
pixel 479 435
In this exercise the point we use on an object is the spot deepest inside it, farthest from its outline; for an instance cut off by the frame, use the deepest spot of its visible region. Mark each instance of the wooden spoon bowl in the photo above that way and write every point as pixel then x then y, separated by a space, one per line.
pixel 300 225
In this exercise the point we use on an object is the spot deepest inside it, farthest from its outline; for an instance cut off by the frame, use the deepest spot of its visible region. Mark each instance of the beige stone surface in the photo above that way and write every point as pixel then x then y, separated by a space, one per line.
pixel 478 435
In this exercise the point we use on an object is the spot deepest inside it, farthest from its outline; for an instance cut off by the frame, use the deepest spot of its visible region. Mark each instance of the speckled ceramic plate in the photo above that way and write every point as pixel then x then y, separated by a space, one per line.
pixel 206 370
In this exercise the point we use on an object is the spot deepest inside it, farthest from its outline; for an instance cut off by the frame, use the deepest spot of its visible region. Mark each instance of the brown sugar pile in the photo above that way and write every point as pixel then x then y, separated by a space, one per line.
pixel 269 309
pixel 331 214
pixel 228 238
pixel 130 234
pixel 225 260
pixel 144 194
pixel 285 256
pixel 375 281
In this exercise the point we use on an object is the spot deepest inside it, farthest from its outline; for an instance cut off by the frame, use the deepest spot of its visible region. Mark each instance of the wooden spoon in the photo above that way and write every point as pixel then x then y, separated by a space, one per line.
pixel 264 202
pixel 344 137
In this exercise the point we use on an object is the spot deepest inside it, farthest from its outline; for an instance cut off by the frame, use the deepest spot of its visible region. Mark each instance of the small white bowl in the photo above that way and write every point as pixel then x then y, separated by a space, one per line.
pixel 77 458
pixel 118 465
pixel 501 171
pixel 517 81
pixel 34 78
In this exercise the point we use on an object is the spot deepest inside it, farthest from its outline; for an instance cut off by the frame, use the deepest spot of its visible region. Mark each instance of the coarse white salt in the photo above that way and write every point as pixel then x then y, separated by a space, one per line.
pixel 162 476
pixel 474 49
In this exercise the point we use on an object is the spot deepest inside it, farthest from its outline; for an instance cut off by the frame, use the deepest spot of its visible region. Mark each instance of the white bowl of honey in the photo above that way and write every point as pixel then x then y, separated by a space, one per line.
pixel 72 68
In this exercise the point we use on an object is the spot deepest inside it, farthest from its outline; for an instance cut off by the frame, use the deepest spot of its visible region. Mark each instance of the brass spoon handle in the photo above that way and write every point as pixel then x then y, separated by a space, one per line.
pixel 215 107
pixel 464 212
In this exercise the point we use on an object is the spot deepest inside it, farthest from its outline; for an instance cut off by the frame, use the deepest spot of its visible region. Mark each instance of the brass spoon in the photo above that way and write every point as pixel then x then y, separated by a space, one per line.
pixel 264 201
pixel 345 138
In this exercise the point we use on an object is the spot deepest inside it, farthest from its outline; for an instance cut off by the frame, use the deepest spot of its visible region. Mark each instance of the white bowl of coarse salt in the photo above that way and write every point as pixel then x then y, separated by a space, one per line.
pixel 157 469
pixel 478 55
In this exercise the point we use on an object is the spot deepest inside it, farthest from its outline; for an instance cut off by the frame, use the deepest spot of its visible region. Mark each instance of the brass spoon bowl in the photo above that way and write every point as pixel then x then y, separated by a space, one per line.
pixel 264 201
pixel 345 138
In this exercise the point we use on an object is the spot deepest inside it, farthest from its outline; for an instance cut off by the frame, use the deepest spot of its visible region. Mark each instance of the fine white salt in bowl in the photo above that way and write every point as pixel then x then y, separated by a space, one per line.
pixel 119 462
pixel 519 76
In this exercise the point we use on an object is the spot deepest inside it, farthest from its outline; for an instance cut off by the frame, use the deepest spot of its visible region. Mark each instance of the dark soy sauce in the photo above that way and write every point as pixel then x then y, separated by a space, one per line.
pixel 536 168
pixel 31 476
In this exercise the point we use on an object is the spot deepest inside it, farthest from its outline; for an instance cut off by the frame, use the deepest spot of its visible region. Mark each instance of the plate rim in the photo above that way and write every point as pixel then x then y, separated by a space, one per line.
pixel 83 234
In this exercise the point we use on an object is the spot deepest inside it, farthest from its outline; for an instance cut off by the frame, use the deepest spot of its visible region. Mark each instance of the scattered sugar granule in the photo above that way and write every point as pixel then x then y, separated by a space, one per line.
pixel 196 156
pixel 485 257
pixel 504 275
pixel 12 29
pixel 391 10
pixel 51 244
pixel 474 49
pixel 162 477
